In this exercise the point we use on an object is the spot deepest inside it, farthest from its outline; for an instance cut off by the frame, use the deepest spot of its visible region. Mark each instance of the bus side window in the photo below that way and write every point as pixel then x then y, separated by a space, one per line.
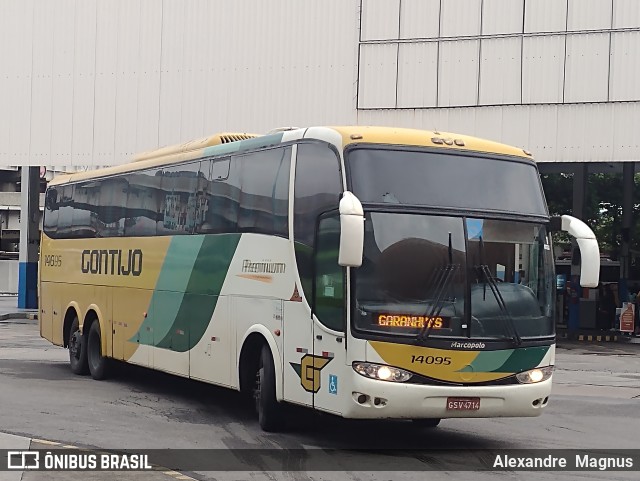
pixel 329 282
pixel 143 200
pixel 64 220
pixel 317 189
pixel 84 219
pixel 179 199
pixel 218 169
pixel 219 206
pixel 111 200
pixel 264 191
pixel 51 212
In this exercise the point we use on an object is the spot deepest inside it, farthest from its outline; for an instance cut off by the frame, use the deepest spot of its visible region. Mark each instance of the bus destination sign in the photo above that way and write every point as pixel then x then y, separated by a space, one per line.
pixel 413 322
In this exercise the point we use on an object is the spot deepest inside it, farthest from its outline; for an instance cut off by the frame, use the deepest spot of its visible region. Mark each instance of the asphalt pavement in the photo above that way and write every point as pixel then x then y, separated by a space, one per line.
pixel 20 443
pixel 573 380
pixel 9 309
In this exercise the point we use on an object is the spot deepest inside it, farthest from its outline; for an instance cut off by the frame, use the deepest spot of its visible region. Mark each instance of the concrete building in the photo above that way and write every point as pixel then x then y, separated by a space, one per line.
pixel 91 82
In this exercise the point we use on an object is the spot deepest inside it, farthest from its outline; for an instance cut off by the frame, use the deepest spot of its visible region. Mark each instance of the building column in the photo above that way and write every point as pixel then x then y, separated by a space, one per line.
pixel 628 170
pixel 29 238
pixel 580 176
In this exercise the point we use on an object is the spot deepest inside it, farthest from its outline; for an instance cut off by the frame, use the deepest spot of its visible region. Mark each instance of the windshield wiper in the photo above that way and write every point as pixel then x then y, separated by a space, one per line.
pixel 443 281
pixel 506 318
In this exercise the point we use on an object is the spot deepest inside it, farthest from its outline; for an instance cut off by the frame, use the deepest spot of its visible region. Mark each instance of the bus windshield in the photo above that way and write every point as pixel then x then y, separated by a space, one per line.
pixel 421 274
pixel 415 177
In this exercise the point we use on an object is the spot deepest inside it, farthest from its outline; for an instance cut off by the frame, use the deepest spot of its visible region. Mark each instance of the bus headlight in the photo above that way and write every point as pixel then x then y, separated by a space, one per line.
pixel 533 376
pixel 383 373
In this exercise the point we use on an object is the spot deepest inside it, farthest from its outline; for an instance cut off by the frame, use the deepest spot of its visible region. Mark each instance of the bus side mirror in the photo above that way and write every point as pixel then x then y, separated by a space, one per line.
pixel 351 231
pixel 588 245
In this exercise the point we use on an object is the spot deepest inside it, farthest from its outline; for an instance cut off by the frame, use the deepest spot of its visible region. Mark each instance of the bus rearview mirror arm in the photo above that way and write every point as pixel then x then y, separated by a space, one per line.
pixel 587 243
pixel 351 231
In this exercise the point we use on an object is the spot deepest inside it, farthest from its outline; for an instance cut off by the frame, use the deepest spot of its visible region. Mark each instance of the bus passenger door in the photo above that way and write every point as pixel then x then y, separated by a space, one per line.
pixel 329 323
pixel 317 190
pixel 298 349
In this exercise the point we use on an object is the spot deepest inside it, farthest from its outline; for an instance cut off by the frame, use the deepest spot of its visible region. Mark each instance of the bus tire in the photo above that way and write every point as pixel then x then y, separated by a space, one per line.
pixel 98 364
pixel 426 423
pixel 270 415
pixel 77 349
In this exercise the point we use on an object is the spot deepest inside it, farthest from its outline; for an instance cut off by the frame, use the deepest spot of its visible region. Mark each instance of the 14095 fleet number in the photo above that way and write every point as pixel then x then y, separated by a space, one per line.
pixel 53 261
pixel 430 360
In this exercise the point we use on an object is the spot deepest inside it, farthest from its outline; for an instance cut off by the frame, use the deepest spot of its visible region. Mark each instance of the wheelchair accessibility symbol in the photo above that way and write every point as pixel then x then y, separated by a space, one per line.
pixel 333 384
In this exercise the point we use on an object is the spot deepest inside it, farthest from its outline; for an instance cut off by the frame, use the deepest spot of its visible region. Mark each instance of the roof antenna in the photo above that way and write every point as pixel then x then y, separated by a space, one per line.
pixel 435 131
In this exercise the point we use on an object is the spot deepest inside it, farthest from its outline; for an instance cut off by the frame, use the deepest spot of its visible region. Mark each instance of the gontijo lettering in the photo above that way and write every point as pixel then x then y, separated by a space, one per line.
pixel 115 262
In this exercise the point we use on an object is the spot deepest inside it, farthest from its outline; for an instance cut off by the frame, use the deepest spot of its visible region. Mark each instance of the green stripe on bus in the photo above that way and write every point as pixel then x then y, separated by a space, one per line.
pixel 174 277
pixel 202 291
pixel 488 361
pixel 186 292
pixel 523 359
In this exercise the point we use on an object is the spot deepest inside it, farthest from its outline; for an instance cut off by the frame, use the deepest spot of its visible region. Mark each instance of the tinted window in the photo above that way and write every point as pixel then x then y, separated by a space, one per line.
pixel 317 190
pixel 412 275
pixel 144 202
pixel 110 201
pixel 65 211
pixel 181 194
pixel 221 196
pixel 218 169
pixel 51 211
pixel 94 208
pixel 85 217
pixel 445 180
pixel 248 193
pixel 109 207
pixel 264 191
pixel 330 286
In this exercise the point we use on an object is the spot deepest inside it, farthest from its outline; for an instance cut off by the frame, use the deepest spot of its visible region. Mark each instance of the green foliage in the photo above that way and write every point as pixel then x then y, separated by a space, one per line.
pixel 603 208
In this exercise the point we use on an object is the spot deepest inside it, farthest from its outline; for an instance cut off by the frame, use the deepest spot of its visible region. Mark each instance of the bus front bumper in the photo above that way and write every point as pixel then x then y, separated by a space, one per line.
pixel 372 399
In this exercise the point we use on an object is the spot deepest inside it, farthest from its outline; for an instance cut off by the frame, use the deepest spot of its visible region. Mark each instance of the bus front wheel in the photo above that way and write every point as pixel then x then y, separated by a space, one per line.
pixel 77 350
pixel 270 414
pixel 98 363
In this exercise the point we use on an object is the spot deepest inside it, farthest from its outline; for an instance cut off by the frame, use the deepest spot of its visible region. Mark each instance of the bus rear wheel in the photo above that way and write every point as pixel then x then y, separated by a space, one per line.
pixel 270 415
pixel 98 364
pixel 77 350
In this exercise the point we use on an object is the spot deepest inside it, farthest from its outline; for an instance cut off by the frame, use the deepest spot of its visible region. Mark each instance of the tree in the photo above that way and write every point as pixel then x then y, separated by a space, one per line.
pixel 603 211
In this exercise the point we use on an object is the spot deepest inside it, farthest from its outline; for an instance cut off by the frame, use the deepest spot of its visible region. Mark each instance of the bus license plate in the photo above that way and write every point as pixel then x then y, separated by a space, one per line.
pixel 463 403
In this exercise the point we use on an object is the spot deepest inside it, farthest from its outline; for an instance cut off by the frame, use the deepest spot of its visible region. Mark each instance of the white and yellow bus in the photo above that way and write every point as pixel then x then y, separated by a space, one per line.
pixel 367 272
